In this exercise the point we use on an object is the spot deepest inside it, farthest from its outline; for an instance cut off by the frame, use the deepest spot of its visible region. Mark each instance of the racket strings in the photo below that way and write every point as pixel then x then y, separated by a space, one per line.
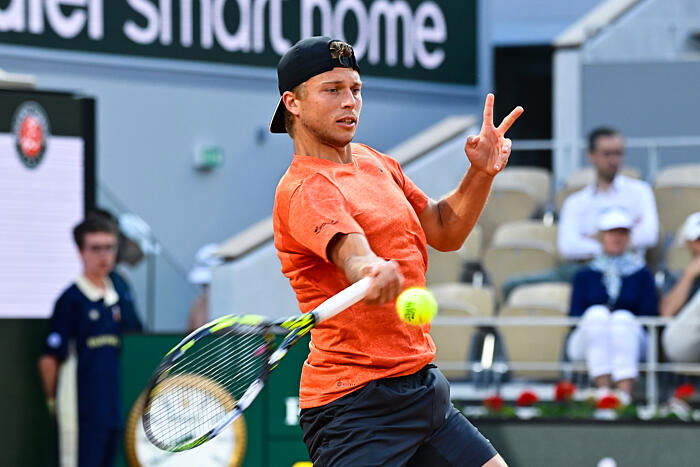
pixel 201 389
pixel 204 350
pixel 191 400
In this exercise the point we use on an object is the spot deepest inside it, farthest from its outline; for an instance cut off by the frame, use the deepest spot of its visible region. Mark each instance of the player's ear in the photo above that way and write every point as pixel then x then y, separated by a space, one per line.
pixel 291 102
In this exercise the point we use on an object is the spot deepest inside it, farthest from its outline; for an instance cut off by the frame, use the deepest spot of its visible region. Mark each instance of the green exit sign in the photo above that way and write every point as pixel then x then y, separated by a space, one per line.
pixel 208 157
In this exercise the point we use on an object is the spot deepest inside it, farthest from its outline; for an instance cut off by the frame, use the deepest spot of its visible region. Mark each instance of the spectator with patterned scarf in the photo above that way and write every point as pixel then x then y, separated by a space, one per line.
pixel 608 294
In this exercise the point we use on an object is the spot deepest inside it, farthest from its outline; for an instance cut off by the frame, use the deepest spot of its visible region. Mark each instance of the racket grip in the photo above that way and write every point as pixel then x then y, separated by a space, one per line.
pixel 342 300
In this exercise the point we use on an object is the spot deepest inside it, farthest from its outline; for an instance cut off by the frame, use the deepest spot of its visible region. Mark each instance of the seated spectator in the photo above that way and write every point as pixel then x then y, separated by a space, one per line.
pixel 681 338
pixel 200 275
pixel 608 294
pixel 577 238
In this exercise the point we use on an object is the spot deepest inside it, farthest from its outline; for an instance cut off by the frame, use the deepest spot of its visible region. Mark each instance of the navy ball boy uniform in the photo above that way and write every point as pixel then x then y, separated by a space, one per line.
pixel 90 322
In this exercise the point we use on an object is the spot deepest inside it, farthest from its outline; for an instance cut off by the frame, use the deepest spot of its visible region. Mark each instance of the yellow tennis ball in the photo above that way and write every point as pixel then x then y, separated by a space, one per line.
pixel 416 306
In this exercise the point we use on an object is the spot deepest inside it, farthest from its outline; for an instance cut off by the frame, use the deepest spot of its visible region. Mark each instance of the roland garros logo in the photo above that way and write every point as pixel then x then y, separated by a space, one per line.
pixel 31 129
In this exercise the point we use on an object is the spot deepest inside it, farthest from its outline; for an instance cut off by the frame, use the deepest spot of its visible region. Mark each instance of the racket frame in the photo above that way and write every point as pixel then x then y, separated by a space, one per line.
pixel 296 327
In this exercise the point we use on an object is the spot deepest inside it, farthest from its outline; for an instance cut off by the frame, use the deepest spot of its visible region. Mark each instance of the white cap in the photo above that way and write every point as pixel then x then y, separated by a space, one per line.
pixel 691 228
pixel 614 218
pixel 205 260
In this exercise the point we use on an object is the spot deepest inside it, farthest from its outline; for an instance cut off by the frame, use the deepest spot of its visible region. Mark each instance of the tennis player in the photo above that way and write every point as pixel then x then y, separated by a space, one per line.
pixel 369 394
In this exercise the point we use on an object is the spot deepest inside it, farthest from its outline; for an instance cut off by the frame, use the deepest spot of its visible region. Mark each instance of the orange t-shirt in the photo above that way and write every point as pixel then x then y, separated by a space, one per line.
pixel 317 199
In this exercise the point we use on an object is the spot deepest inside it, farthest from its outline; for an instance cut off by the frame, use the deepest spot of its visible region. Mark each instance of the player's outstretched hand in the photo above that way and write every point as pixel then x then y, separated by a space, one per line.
pixel 387 282
pixel 489 151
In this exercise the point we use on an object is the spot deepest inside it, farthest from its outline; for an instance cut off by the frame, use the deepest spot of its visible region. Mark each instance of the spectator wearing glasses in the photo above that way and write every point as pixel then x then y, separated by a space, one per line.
pixel 130 254
pixel 88 320
pixel 608 294
pixel 681 338
pixel 577 238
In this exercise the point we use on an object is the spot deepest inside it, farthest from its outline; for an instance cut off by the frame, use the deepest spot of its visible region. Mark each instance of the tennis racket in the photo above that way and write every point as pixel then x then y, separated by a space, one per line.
pixel 213 375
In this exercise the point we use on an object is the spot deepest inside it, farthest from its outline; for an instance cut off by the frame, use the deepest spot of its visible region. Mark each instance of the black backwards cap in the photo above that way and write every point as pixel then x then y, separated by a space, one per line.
pixel 304 60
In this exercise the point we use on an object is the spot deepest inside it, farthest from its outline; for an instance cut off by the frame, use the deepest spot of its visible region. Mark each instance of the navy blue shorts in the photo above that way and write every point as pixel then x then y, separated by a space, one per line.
pixel 403 421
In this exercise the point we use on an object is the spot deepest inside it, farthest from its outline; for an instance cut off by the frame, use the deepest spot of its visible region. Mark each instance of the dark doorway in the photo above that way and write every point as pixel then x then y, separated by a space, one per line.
pixel 523 76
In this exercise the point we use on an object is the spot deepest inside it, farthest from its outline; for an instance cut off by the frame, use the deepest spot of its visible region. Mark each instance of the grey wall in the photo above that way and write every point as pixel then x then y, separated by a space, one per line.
pixel 151 114
pixel 645 100
pixel 534 22
pixel 652 30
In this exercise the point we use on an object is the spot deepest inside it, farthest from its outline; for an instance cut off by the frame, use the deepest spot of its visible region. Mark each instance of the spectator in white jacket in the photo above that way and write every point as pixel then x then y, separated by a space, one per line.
pixel 577 238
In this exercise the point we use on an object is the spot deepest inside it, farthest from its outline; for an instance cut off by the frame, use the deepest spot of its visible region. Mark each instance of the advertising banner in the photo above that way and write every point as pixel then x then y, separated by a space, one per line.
pixel 42 196
pixel 421 40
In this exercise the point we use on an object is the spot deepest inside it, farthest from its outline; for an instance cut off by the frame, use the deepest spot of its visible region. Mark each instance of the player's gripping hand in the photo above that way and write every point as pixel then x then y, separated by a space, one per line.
pixel 387 282
pixel 352 253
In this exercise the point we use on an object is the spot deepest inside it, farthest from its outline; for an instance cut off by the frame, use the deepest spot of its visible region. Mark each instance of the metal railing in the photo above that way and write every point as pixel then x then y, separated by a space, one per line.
pixel 652 145
pixel 652 366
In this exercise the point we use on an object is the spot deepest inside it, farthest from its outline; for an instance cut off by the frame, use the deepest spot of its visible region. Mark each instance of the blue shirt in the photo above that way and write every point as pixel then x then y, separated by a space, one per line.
pixel 92 323
pixel 637 293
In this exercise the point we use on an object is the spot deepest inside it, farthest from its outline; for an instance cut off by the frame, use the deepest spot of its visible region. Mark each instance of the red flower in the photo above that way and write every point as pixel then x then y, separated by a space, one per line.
pixel 684 391
pixel 609 402
pixel 526 399
pixel 564 391
pixel 494 403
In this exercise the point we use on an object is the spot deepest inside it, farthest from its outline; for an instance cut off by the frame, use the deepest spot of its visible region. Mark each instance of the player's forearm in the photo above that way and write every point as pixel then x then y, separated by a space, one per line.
pixel 458 211
pixel 353 255
pixel 48 371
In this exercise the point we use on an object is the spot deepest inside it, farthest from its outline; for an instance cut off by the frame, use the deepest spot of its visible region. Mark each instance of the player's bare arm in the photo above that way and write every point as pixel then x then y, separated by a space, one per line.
pixel 448 222
pixel 354 256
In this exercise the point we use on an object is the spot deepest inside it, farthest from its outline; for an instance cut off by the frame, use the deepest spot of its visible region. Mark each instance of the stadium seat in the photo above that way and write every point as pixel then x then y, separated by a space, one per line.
pixel 541 344
pixel 675 202
pixel 585 176
pixel 473 248
pixel 447 266
pixel 502 262
pixel 536 177
pixel 454 342
pixel 524 233
pixel 507 202
pixel 681 174
pixel 678 258
pixel 551 295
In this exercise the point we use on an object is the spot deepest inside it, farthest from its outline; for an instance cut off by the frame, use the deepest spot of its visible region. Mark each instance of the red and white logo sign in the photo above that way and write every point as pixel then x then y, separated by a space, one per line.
pixel 31 129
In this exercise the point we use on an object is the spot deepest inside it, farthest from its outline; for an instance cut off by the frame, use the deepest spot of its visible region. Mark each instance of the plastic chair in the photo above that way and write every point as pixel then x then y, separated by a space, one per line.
pixel 678 258
pixel 682 174
pixel 675 203
pixel 542 344
pixel 539 179
pixel 585 176
pixel 507 203
pixel 502 262
pixel 446 266
pixel 550 295
pixel 525 232
pixel 454 342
